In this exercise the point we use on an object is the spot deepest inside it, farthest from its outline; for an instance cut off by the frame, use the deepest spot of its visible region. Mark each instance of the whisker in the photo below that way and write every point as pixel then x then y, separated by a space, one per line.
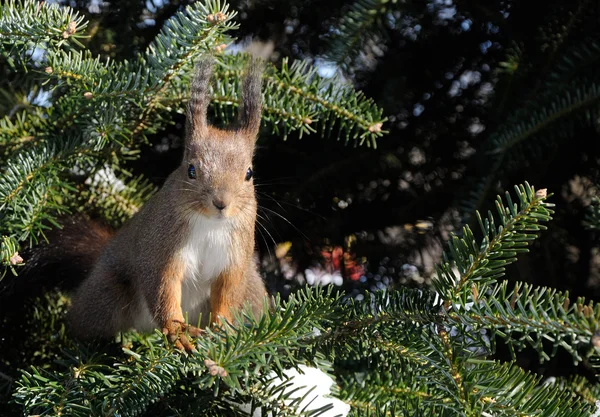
pixel 289 204
pixel 185 182
pixel 286 220
pixel 263 237
pixel 278 180
pixel 268 233
pixel 267 220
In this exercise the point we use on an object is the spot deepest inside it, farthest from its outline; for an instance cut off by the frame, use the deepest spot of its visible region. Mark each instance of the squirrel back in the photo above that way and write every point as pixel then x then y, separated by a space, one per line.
pixel 188 252
pixel 62 262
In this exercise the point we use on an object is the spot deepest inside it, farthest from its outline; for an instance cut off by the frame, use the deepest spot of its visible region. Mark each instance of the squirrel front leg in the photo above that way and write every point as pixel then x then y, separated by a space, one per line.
pixel 226 293
pixel 165 305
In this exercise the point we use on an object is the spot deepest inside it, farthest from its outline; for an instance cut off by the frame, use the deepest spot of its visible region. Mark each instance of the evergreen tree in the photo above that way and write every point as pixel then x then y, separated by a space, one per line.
pixel 397 352
pixel 79 111
pixel 101 111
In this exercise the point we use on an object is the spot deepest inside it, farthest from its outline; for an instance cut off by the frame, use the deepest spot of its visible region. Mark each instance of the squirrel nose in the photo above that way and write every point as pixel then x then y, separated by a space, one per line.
pixel 219 204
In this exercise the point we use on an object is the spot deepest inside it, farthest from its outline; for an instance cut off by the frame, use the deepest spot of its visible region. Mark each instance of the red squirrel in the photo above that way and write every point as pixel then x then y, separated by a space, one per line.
pixel 190 248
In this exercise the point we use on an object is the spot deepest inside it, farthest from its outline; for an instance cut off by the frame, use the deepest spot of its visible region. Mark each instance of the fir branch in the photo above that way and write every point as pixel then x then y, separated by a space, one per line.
pixel 143 380
pixel 69 390
pixel 574 62
pixel 576 102
pixel 266 343
pixel 363 22
pixel 110 104
pixel 570 98
pixel 278 396
pixel 181 41
pixel 382 343
pixel 184 401
pixel 9 247
pixel 79 68
pixel 115 199
pixel 376 388
pixel 507 390
pixel 392 322
pixel 50 394
pixel 484 263
pixel 540 124
pixel 579 385
pixel 455 372
pixel 297 96
pixel 533 316
pixel 334 102
pixel 31 188
pixel 450 383
pixel 592 218
pixel 417 358
pixel 584 7
pixel 22 129
pixel 28 24
pixel 153 370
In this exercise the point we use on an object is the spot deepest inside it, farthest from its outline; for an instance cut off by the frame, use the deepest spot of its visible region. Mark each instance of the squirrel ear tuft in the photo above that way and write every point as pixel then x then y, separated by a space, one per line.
pixel 199 95
pixel 249 115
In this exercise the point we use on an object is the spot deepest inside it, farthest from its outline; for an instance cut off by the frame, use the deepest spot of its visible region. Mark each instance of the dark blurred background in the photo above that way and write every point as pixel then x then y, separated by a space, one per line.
pixel 454 79
pixel 479 96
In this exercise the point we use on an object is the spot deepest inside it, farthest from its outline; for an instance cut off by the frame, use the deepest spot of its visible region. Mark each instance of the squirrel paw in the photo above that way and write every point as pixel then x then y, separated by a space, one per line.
pixel 175 331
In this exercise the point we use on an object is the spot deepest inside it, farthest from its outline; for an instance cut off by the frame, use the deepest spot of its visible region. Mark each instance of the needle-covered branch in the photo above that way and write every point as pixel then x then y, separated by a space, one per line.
pixel 111 107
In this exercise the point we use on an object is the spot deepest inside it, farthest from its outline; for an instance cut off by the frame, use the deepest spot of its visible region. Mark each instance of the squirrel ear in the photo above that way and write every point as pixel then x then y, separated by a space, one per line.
pixel 250 109
pixel 199 95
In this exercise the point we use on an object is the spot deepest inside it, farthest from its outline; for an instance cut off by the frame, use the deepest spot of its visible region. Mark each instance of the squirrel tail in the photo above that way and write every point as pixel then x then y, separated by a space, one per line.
pixel 63 262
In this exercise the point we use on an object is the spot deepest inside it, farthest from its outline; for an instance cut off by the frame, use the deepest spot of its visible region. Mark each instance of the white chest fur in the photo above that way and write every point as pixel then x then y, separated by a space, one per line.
pixel 206 252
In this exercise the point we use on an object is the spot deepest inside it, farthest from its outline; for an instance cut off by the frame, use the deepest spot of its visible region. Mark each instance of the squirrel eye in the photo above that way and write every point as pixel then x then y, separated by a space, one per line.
pixel 249 174
pixel 192 172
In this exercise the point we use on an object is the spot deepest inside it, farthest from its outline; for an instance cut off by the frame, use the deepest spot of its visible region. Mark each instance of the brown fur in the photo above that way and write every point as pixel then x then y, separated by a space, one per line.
pixel 141 267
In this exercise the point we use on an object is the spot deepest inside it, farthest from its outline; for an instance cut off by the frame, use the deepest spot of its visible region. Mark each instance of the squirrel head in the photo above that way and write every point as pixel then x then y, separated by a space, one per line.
pixel 216 170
